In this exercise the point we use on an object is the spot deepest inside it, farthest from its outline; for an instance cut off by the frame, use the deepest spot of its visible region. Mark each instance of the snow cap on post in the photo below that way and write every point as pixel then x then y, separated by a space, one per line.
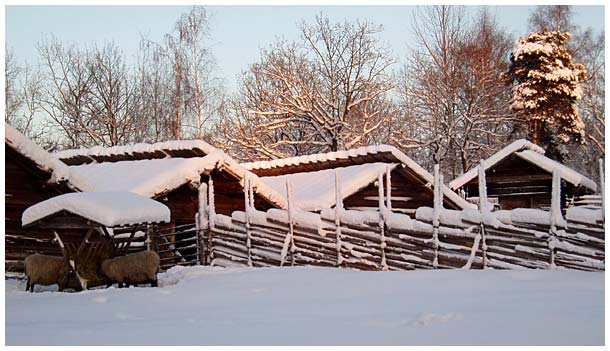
pixel 106 208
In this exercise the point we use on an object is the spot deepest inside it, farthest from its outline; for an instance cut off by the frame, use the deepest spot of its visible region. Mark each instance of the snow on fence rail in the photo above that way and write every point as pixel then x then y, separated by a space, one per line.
pixel 382 239
pixel 517 238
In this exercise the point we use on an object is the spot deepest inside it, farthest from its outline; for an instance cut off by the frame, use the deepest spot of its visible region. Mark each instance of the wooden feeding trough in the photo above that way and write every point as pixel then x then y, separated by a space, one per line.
pixel 92 218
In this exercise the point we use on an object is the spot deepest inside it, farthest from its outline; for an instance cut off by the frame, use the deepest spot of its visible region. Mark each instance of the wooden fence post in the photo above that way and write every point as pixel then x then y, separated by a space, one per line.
pixel 438 202
pixel 483 209
pixel 601 184
pixel 289 239
pixel 388 183
pixel 203 224
pixel 247 204
pixel 148 240
pixel 338 209
pixel 382 245
pixel 556 216
pixel 211 214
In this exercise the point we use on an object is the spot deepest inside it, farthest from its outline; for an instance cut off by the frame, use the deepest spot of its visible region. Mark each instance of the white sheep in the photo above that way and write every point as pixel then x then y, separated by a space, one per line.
pixel 137 268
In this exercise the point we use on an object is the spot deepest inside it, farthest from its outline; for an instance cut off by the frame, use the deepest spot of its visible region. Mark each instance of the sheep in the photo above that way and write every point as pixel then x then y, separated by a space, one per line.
pixel 49 270
pixel 137 268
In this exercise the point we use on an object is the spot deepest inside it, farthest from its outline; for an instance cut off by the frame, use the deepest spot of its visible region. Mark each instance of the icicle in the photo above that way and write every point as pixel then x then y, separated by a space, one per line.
pixel 484 209
pixel 289 240
pixel 338 210
pixel 384 265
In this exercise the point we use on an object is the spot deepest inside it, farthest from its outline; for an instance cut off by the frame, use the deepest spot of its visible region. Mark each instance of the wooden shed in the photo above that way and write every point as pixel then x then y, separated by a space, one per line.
pixel 520 176
pixel 32 175
pixel 170 172
pixel 313 179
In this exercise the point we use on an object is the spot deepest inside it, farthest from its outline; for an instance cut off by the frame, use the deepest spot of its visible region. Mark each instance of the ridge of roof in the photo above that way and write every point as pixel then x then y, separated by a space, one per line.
pixel 140 148
pixel 361 151
pixel 515 146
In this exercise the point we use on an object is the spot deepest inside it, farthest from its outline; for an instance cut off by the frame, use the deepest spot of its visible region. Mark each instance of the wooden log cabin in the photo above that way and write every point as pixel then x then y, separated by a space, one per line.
pixel 32 175
pixel 313 180
pixel 520 176
pixel 170 172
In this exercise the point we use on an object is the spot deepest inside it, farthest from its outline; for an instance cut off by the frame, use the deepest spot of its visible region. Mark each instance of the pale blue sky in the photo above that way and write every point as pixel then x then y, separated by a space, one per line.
pixel 237 31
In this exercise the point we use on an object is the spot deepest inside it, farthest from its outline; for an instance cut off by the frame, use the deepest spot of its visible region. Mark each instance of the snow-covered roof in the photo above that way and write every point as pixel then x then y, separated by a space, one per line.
pixel 148 178
pixel 166 149
pixel 494 159
pixel 362 155
pixel 566 173
pixel 44 160
pixel 531 153
pixel 154 169
pixel 313 191
pixel 106 208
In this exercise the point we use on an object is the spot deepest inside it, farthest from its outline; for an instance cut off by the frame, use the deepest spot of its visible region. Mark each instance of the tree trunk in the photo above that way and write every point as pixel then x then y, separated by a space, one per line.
pixel 536 132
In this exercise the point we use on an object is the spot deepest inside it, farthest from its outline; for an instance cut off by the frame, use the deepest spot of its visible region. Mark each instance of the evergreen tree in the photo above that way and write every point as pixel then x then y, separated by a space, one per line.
pixel 547 88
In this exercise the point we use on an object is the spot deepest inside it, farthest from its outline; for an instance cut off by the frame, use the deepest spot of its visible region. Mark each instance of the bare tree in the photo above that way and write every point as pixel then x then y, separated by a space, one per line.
pixel 68 83
pixel 112 101
pixel 155 90
pixel 454 104
pixel 195 91
pixel 12 98
pixel 316 95
pixel 90 95
pixel 201 87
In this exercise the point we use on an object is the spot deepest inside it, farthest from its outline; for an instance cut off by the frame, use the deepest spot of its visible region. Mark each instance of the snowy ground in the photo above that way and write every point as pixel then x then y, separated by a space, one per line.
pixel 319 306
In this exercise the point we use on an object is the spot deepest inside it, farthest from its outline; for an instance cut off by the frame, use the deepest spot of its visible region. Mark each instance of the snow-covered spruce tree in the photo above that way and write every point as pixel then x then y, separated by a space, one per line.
pixel 547 87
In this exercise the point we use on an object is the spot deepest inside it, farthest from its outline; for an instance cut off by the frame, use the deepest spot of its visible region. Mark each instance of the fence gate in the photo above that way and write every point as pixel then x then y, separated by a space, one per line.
pixel 177 245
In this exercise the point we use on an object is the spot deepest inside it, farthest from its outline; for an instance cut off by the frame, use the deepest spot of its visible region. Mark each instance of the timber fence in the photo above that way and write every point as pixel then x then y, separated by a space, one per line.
pixel 386 240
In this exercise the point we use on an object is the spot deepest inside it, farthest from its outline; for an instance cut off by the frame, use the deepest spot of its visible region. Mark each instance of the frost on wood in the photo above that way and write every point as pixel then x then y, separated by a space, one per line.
pixel 106 208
